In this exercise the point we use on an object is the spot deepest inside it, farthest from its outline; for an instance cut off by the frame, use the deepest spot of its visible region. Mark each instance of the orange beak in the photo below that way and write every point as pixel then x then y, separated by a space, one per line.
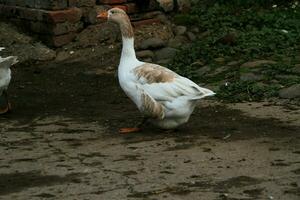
pixel 102 15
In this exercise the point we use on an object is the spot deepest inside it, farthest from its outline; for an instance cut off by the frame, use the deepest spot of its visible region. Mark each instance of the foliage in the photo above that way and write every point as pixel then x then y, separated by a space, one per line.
pixel 242 30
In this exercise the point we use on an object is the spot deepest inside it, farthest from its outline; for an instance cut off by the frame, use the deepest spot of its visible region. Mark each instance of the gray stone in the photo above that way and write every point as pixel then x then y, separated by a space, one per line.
pixel 258 63
pixel 43 53
pixel 191 36
pixel 165 53
pixel 197 64
pixel 177 41
pixel 163 61
pixel 166 5
pixel 152 43
pixel 203 70
pixel 184 5
pixel 180 30
pixel 296 69
pixel 220 60
pixel 251 77
pixel 145 54
pixel 233 63
pixel 290 92
pixel 195 30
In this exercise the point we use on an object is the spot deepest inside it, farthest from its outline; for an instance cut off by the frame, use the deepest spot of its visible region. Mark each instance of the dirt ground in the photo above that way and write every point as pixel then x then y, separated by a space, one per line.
pixel 61 142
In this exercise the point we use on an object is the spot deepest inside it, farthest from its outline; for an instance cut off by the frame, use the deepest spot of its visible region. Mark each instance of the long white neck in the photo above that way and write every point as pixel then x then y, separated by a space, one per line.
pixel 128 52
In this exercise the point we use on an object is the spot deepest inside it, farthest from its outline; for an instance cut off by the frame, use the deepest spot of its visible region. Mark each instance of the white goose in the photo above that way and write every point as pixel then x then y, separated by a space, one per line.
pixel 5 76
pixel 164 97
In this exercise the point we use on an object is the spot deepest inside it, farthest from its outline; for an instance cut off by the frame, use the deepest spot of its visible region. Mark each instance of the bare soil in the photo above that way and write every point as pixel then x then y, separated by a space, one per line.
pixel 61 142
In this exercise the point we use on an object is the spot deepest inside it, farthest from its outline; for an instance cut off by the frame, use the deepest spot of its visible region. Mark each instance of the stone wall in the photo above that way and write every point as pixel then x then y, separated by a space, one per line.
pixel 57 22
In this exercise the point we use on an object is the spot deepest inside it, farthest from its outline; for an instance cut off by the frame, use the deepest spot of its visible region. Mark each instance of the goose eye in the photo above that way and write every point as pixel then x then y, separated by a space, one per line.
pixel 112 12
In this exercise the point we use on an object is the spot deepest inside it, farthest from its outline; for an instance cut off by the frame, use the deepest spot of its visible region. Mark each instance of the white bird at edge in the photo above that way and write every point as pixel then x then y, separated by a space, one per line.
pixel 162 96
pixel 5 76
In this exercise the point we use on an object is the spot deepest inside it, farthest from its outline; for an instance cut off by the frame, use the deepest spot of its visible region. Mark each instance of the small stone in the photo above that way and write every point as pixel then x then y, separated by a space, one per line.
pixel 149 60
pixel 184 5
pixel 258 63
pixel 204 34
pixel 152 43
pixel 220 60
pixel 164 61
pixel 165 53
pixel 145 54
pixel 296 69
pixel 191 36
pixel 197 64
pixel 180 30
pixel 195 30
pixel 166 5
pixel 290 92
pixel 177 41
pixel 203 70
pixel 251 77
pixel 234 63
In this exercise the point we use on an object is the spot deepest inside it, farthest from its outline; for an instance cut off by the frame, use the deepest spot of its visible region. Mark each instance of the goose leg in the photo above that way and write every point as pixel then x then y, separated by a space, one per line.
pixel 4 103
pixel 135 129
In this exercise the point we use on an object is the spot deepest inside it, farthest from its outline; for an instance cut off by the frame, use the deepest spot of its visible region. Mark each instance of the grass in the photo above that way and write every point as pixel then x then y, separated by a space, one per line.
pixel 243 30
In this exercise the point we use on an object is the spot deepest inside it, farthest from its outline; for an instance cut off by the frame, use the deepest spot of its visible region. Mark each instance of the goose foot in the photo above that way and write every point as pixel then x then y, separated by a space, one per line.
pixel 129 130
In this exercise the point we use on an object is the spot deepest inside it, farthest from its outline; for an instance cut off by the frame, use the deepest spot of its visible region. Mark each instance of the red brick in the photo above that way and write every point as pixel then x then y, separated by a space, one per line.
pixel 112 1
pixel 58 41
pixel 70 15
pixel 143 16
pixel 146 22
pixel 55 29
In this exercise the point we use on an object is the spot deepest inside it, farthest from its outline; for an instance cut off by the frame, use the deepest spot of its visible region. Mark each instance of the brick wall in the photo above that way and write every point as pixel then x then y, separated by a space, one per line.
pixel 56 22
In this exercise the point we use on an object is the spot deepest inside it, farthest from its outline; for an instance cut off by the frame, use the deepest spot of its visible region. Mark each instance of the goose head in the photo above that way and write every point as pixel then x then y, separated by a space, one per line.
pixel 115 15
pixel 118 16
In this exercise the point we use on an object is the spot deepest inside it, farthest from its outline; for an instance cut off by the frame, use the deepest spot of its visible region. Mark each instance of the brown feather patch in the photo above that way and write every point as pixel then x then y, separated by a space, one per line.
pixel 151 107
pixel 154 73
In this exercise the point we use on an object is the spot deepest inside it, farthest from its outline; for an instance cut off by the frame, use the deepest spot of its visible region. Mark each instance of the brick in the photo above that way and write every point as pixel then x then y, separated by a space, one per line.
pixel 143 16
pixel 146 22
pixel 58 41
pixel 71 15
pixel 112 1
pixel 90 14
pixel 42 4
pixel 84 3
pixel 55 29
pixel 129 8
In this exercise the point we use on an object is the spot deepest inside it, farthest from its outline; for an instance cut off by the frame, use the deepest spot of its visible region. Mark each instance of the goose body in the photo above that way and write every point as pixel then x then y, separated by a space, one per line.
pixel 160 94
pixel 5 77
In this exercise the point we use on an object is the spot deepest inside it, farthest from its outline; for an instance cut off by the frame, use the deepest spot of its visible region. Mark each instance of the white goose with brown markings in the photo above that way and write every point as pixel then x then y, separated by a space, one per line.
pixel 164 97
pixel 5 76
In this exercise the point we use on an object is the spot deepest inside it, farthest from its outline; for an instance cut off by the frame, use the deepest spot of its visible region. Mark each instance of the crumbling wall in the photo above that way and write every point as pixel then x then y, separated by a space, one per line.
pixel 57 22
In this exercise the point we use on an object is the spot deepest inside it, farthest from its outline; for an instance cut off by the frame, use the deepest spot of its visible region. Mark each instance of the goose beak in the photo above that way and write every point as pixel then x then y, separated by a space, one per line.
pixel 103 15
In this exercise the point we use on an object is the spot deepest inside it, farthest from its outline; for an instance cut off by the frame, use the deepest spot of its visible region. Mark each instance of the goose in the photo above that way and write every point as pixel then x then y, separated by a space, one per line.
pixel 5 76
pixel 165 98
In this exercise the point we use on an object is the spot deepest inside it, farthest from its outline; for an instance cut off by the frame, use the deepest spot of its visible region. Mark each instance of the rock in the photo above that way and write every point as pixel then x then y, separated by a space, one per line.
pixel 234 63
pixel 62 55
pixel 43 53
pixel 145 54
pixel 149 60
pixel 296 69
pixel 195 30
pixel 258 63
pixel 290 92
pixel 204 34
pixel 180 30
pixel 251 77
pixel 197 64
pixel 165 53
pixel 191 36
pixel 177 41
pixel 166 5
pixel 163 61
pixel 203 70
pixel 228 39
pixel 184 5
pixel 220 60
pixel 152 43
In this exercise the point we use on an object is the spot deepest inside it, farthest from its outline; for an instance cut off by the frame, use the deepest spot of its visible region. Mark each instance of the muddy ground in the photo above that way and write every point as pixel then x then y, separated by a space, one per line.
pixel 61 142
